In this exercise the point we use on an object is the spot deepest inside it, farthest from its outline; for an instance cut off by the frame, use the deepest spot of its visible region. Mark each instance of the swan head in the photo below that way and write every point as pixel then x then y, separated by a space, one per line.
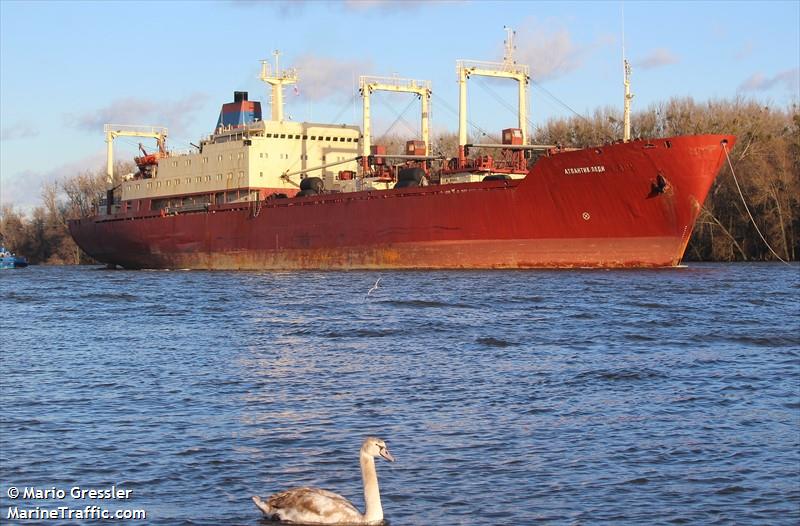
pixel 375 447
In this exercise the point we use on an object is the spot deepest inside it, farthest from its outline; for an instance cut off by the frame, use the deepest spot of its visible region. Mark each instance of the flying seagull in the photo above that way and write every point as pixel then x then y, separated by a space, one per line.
pixel 374 287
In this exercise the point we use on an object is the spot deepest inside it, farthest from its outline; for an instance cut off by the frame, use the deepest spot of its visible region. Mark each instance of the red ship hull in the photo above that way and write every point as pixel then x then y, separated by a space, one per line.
pixel 597 207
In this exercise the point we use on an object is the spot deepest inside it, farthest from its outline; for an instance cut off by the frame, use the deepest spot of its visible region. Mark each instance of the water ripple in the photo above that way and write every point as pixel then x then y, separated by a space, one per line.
pixel 581 397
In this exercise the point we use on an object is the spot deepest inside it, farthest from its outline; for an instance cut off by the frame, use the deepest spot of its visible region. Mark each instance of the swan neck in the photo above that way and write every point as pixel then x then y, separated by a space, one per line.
pixel 372 494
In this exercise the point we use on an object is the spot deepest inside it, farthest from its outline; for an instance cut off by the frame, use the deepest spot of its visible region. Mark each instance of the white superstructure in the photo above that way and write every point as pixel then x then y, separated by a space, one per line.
pixel 252 157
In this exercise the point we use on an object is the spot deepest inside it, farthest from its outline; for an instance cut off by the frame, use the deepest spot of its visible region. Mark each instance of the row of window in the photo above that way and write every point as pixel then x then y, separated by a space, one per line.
pixel 176 182
pixel 311 137
pixel 240 155
pixel 188 162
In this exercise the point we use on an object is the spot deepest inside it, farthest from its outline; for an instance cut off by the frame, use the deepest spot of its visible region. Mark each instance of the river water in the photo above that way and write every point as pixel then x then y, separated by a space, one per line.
pixel 507 397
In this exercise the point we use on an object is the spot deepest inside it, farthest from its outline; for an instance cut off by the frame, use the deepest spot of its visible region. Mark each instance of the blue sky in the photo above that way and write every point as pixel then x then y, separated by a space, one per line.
pixel 66 68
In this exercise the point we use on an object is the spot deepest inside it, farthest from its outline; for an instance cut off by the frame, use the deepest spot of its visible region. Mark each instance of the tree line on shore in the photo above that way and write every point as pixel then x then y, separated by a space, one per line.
pixel 42 234
pixel 765 160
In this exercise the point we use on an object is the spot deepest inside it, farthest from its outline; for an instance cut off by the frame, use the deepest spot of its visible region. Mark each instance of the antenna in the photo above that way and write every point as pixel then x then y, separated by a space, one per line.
pixel 508 56
pixel 626 82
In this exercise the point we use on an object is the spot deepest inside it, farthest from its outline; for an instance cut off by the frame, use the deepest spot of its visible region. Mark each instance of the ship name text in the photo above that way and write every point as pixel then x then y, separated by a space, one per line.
pixel 585 170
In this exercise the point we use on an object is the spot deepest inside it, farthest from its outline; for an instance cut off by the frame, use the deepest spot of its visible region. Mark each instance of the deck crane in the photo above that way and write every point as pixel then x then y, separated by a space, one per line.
pixel 508 69
pixel 368 84
pixel 113 131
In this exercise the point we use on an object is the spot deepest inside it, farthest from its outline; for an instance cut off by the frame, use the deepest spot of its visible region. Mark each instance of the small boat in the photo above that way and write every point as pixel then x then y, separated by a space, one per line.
pixel 11 260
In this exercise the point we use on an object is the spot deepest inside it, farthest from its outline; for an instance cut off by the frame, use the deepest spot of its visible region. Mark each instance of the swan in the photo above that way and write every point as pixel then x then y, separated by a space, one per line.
pixel 318 506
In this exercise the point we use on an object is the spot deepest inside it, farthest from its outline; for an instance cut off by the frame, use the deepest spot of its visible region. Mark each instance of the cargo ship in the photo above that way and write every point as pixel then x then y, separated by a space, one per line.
pixel 269 193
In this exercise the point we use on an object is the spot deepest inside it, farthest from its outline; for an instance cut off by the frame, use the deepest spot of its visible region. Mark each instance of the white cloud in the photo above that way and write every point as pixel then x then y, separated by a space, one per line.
pixel 789 79
pixel 18 130
pixel 745 51
pixel 290 7
pixel 385 5
pixel 549 52
pixel 175 115
pixel 657 58
pixel 326 77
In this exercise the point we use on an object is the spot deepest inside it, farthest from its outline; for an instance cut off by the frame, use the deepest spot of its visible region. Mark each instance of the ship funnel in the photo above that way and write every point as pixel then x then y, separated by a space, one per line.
pixel 240 112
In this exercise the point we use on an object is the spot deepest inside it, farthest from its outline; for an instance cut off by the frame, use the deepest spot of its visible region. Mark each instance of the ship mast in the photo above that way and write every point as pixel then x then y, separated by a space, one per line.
pixel 277 81
pixel 626 81
pixel 626 114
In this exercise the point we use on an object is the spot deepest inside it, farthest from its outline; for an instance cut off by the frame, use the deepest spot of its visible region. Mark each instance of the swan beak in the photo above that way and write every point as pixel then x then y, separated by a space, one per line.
pixel 385 454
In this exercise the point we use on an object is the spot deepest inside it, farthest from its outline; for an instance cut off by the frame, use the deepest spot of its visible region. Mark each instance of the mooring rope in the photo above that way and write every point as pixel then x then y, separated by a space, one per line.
pixel 744 202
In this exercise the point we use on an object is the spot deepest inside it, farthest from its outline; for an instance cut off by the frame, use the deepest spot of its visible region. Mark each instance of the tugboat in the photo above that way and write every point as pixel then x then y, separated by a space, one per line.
pixel 11 260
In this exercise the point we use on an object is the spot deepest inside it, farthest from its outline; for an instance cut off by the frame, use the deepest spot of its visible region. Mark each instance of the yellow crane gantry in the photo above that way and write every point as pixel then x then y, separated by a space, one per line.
pixel 113 131
pixel 507 69
pixel 368 84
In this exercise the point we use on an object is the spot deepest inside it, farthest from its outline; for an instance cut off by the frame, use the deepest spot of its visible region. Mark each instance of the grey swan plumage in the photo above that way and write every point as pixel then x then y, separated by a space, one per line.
pixel 318 506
